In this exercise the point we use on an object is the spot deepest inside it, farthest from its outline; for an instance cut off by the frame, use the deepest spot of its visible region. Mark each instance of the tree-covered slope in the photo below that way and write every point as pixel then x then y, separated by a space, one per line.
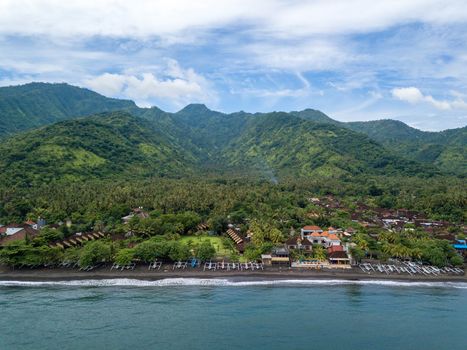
pixel 446 149
pixel 33 105
pixel 114 144
pixel 211 130
pixel 284 144
pixel 315 115
pixel 304 143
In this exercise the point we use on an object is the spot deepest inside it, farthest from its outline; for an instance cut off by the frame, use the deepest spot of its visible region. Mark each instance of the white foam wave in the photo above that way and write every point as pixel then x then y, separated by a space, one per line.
pixel 126 282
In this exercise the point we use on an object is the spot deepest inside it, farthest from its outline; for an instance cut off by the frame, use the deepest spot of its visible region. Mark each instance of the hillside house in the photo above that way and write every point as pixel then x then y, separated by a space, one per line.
pixel 139 212
pixel 11 233
pixel 307 231
pixel 278 256
pixel 77 239
pixel 298 243
pixel 461 247
pixel 339 259
pixel 317 236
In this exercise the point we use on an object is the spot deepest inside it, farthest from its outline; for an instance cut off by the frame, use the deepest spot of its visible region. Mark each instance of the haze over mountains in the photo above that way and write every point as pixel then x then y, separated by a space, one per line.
pixel 121 139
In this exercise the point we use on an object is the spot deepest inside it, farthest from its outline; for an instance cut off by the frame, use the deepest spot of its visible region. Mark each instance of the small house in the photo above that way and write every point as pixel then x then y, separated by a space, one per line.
pixel 11 233
pixel 297 243
pixel 278 256
pixel 139 212
pixel 339 258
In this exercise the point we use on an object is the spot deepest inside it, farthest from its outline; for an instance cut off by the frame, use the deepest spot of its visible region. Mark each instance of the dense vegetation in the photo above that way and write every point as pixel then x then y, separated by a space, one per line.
pixel 176 206
pixel 33 105
pixel 207 133
pixel 116 144
pixel 257 171
pixel 294 146
pixel 446 149
pixel 105 202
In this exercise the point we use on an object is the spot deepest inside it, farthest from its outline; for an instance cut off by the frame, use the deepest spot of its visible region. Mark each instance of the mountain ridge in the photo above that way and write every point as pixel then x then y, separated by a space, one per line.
pixel 212 137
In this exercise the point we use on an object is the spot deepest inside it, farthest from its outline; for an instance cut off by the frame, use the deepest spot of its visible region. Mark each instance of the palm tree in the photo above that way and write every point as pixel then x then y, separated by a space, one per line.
pixel 319 253
pixel 360 241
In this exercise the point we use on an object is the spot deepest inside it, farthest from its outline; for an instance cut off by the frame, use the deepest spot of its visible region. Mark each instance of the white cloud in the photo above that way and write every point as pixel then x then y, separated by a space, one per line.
pixel 409 94
pixel 354 46
pixel 414 95
pixel 174 86
pixel 142 18
pixel 316 54
pixel 107 84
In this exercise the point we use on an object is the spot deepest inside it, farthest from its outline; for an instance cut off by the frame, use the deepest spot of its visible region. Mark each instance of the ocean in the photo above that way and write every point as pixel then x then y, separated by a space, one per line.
pixel 223 314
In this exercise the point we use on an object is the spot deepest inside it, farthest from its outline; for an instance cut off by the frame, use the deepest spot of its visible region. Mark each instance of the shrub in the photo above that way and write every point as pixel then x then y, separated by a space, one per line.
pixel 124 256
pixel 94 253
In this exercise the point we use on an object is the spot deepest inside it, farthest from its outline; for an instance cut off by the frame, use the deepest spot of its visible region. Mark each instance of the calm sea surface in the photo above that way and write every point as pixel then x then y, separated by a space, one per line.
pixel 201 314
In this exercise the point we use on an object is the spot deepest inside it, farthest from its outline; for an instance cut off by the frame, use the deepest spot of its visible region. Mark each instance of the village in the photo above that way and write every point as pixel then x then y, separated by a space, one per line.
pixel 309 247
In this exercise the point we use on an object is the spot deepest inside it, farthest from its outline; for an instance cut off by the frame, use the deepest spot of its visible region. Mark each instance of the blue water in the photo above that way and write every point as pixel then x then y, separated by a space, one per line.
pixel 201 314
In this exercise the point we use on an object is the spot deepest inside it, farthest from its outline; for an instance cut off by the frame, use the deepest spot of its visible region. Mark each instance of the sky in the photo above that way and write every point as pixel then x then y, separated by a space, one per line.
pixel 352 59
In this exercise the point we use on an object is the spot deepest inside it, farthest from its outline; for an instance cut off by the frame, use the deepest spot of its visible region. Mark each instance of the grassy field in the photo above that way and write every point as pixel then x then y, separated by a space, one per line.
pixel 215 241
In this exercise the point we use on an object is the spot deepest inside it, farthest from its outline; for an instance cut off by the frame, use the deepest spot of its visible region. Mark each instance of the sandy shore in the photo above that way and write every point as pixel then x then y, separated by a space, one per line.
pixel 141 272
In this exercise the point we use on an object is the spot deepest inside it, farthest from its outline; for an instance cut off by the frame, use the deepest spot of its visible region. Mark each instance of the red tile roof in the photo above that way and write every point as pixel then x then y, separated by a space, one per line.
pixel 335 248
pixel 312 228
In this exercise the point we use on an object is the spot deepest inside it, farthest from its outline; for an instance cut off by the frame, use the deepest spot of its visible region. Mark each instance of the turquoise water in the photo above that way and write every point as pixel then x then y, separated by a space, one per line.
pixel 217 314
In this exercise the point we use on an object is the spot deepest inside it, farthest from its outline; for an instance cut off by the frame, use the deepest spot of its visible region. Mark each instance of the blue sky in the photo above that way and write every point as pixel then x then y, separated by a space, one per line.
pixel 352 59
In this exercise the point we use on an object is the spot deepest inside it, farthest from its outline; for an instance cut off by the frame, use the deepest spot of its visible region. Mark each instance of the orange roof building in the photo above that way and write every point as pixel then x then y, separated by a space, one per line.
pixel 323 238
pixel 312 228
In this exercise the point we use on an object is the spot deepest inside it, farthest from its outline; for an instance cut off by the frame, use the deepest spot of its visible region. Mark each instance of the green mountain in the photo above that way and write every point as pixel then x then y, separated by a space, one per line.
pixel 141 142
pixel 315 116
pixel 107 145
pixel 33 105
pixel 120 145
pixel 446 149
pixel 289 145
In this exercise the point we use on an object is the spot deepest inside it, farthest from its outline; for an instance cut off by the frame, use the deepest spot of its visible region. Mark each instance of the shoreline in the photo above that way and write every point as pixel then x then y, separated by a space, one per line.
pixel 142 273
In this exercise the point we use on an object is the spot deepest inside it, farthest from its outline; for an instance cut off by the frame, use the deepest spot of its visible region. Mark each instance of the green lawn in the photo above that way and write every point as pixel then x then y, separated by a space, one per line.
pixel 215 241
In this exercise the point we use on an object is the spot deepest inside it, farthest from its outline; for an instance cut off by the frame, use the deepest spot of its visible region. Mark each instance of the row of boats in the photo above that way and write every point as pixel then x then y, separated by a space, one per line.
pixel 410 268
pixel 116 266
pixel 210 265
pixel 233 266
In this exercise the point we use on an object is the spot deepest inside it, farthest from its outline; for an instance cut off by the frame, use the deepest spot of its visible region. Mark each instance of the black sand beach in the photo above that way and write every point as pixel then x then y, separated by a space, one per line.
pixel 142 272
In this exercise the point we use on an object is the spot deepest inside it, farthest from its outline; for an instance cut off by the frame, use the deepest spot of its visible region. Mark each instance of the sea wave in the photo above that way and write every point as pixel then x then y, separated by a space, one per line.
pixel 168 282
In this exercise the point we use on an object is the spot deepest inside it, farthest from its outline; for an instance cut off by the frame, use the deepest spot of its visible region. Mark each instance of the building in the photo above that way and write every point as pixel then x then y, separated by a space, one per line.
pixel 234 234
pixel 77 239
pixel 11 233
pixel 36 225
pixel 320 237
pixel 298 243
pixel 339 259
pixel 278 256
pixel 307 231
pixel 461 246
pixel 335 248
pixel 139 212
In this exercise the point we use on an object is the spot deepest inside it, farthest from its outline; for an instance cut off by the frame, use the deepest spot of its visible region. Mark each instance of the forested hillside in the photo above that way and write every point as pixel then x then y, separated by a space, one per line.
pixel 446 149
pixel 303 143
pixel 95 168
pixel 103 146
pixel 291 145
pixel 33 105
